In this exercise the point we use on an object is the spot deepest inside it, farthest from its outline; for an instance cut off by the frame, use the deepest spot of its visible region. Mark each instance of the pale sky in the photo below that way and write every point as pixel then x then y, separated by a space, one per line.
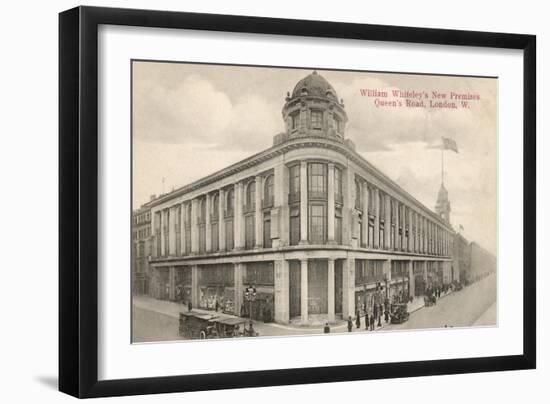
pixel 190 120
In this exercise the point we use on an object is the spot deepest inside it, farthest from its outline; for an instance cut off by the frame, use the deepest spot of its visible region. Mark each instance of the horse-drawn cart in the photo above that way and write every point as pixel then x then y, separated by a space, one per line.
pixel 399 313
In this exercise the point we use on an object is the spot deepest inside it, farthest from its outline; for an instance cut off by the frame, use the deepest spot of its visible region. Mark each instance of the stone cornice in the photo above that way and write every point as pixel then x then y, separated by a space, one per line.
pixel 293 144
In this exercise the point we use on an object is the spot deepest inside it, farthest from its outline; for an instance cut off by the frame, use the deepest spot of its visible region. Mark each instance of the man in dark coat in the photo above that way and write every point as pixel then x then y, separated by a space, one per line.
pixel 371 321
pixel 326 330
pixel 350 324
pixel 367 322
pixel 189 306
pixel 358 319
pixel 386 309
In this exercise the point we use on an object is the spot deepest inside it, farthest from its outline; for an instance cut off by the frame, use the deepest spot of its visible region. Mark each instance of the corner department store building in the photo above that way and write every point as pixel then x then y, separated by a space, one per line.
pixel 308 222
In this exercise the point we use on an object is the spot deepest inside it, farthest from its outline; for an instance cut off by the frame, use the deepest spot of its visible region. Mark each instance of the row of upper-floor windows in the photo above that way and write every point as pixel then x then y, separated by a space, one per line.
pixel 406 219
pixel 141 233
pixel 140 218
pixel 214 212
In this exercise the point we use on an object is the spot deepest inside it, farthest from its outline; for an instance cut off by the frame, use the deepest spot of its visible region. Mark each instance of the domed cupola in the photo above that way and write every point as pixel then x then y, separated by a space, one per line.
pixel 313 109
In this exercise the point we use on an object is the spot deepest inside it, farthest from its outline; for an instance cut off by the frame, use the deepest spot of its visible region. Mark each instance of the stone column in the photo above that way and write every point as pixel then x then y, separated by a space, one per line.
pixel 172 231
pixel 425 237
pixel 386 269
pixel 172 283
pixel 425 271
pixel 258 221
pixel 238 282
pixel 208 225
pixel 194 226
pixel 412 285
pixel 279 213
pixel 221 220
pixel 182 229
pixel 304 290
pixel 387 224
pixel 365 223
pixel 438 239
pixel 162 234
pixel 348 211
pixel 330 205
pixel 331 298
pixel 376 218
pixel 281 291
pixel 303 203
pixel 348 288
pixel 410 238
pixel 397 241
pixel 238 226
pixel 195 286
pixel 416 230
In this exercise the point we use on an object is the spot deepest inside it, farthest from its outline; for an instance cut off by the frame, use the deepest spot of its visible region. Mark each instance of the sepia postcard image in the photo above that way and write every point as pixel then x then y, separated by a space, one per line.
pixel 271 201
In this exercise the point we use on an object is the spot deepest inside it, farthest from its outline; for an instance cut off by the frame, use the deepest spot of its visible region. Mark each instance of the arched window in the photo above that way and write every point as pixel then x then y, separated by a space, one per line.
pixel 337 124
pixel 250 217
pixel 358 198
pixel 229 203
pixel 251 194
pixel 295 120
pixel 202 211
pixel 215 206
pixel 268 191
pixel 371 201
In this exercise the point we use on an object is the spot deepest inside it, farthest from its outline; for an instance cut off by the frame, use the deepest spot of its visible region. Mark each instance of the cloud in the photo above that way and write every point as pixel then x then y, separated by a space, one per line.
pixel 193 111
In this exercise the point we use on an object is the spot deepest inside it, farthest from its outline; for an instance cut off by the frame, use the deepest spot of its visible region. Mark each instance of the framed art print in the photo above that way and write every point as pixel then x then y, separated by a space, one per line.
pixel 248 201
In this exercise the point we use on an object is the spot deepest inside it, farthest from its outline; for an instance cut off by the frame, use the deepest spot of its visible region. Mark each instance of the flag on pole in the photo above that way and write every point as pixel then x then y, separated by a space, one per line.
pixel 449 144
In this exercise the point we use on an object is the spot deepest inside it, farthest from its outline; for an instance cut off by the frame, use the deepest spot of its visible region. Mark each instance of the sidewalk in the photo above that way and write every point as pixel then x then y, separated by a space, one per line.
pixel 172 309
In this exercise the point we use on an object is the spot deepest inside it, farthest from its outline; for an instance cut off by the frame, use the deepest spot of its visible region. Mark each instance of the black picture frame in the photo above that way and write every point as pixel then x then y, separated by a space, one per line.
pixel 78 200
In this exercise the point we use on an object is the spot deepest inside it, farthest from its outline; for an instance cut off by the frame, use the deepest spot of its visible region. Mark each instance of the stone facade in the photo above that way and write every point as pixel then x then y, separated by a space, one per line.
pixel 141 250
pixel 312 225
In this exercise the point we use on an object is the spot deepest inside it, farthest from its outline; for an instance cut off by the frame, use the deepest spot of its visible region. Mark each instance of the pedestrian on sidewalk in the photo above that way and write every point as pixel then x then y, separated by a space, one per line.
pixel 189 306
pixel 358 319
pixel 350 324
pixel 371 315
pixel 367 322
pixel 326 330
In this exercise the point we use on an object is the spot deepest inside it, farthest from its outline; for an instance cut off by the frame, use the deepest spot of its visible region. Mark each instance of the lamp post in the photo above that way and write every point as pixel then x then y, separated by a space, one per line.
pixel 250 296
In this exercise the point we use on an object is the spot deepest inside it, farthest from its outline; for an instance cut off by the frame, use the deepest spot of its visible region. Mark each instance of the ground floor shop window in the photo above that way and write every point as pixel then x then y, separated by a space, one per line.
pixel 294 285
pixel 368 271
pixel 215 237
pixel 317 280
pixel 262 307
pixel 229 240
pixel 216 287
pixel 267 230
pixel 250 231
pixel 338 293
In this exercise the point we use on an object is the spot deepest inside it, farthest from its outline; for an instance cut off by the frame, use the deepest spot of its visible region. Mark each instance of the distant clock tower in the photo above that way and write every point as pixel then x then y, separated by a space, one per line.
pixel 443 205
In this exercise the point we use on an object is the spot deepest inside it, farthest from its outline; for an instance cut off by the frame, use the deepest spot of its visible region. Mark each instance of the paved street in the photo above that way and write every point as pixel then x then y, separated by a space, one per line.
pixel 459 309
pixel 474 305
